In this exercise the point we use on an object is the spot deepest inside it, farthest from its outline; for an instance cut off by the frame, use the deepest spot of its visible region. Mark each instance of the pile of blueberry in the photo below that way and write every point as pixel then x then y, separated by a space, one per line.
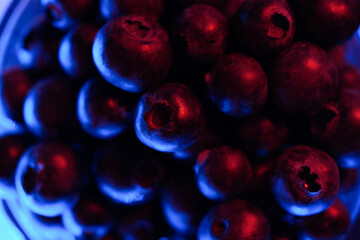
pixel 185 119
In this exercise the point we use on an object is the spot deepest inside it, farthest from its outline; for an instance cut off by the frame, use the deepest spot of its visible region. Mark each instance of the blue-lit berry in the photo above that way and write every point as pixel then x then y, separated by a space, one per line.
pixel 168 118
pixel 305 180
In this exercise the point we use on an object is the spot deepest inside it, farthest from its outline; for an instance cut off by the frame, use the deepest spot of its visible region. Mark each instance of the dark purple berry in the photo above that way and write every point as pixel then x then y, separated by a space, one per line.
pixel 303 78
pixel 327 21
pixel 231 7
pixel 66 13
pixel 215 3
pixel 88 218
pixel 222 172
pixel 237 85
pixel 333 223
pixel 49 108
pixel 38 47
pixel 236 219
pixel 337 127
pixel 261 136
pixel 11 148
pixel 200 34
pixel 305 180
pixel 127 174
pixel 132 53
pixel 349 77
pixel 15 83
pixel 182 203
pixel 264 27
pixel 75 51
pixel 118 8
pixel 169 118
pixel 103 110
pixel 349 179
pixel 48 178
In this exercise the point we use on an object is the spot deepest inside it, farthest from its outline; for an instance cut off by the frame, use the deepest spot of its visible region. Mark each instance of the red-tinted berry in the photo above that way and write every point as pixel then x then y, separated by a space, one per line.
pixel 264 27
pixel 75 51
pixel 200 34
pixel 327 21
pixel 15 83
pixel 236 219
pixel 169 118
pixel 48 178
pixel 66 13
pixel 237 85
pixel 118 8
pixel 305 180
pixel 333 223
pixel 38 46
pixel 103 110
pixel 49 108
pixel 337 127
pixel 222 172
pixel 349 77
pixel 303 78
pixel 132 53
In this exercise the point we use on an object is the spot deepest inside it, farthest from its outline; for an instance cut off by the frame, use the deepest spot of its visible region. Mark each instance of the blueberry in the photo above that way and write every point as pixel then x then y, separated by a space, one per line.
pixel 214 164
pixel 75 51
pixel 88 218
pixel 66 13
pixel 327 21
pixel 232 220
pixel 48 178
pixel 333 223
pixel 127 174
pixel 336 126
pixel 118 8
pixel 200 34
pixel 260 136
pixel 38 46
pixel 104 111
pixel 49 108
pixel 168 118
pixel 303 78
pixel 15 83
pixel 237 85
pixel 132 53
pixel 12 146
pixel 182 204
pixel 349 77
pixel 305 180
pixel 264 27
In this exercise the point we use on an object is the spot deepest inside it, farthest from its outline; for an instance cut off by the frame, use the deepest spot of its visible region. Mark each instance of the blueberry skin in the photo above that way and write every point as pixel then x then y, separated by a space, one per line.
pixel 230 8
pixel 11 149
pixel 48 178
pixel 49 108
pixel 337 127
pixel 132 53
pixel 168 118
pixel 118 8
pixel 305 180
pixel 15 83
pixel 327 21
pixel 333 223
pixel 66 13
pixel 211 167
pixel 237 85
pixel 182 204
pixel 349 77
pixel 303 78
pixel 264 28
pixel 88 218
pixel 127 174
pixel 199 34
pixel 38 46
pixel 231 220
pixel 75 51
pixel 104 111
pixel 260 136
pixel 215 3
